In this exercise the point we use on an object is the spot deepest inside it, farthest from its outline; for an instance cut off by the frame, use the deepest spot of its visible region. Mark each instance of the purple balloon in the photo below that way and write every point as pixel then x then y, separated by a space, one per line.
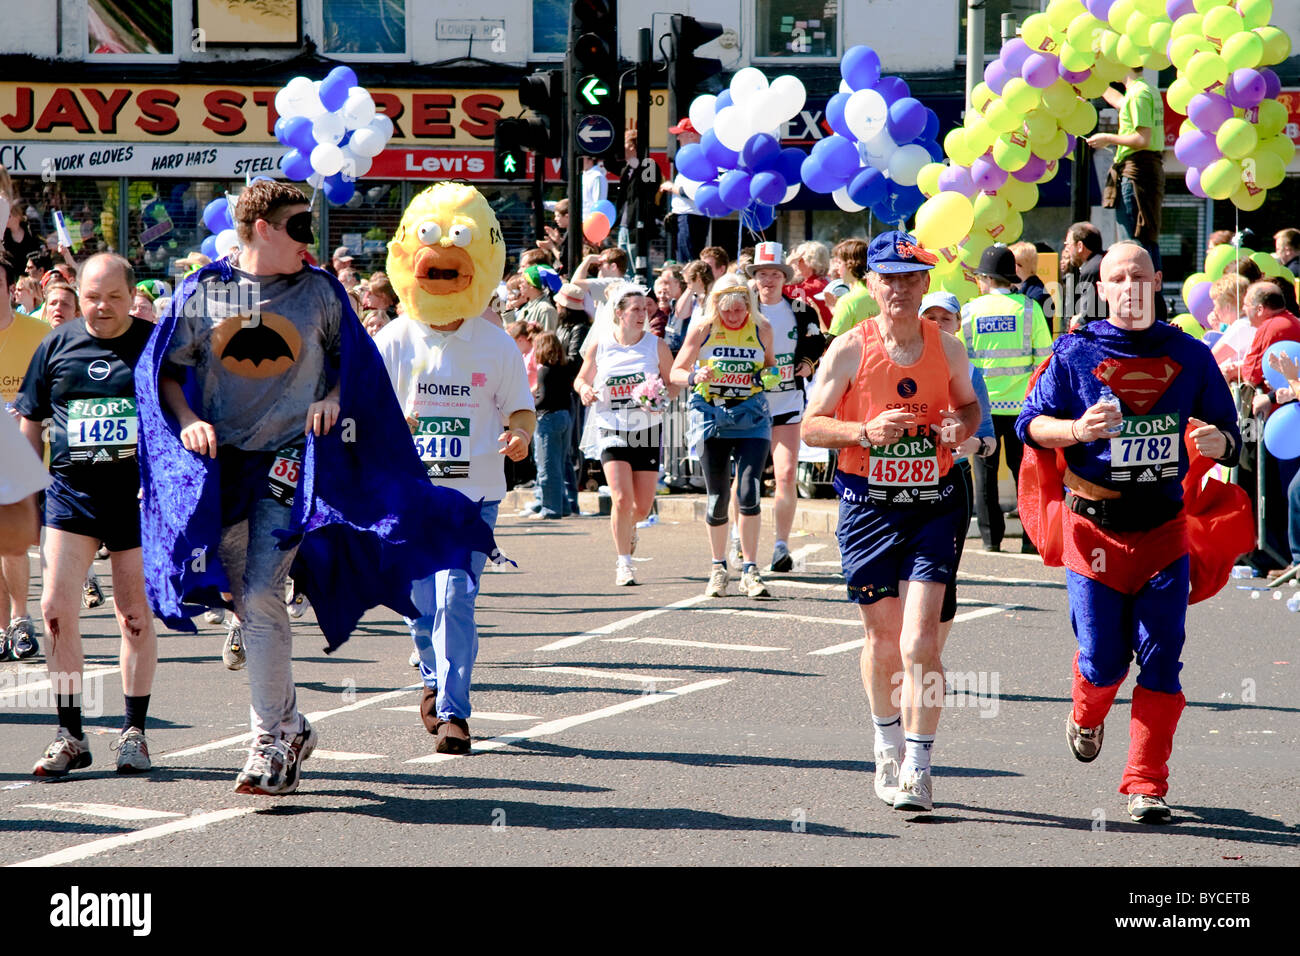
pixel 1072 76
pixel 1245 88
pixel 838 156
pixel 1272 85
pixel 760 152
pixel 868 187
pixel 1039 70
pixel 733 187
pixel 1178 8
pixel 1209 111
pixel 835 115
pixel 1197 148
pixel 718 155
pixel 1099 8
pixel 693 164
pixel 789 163
pixel 768 187
pixel 892 88
pixel 1032 170
pixel 986 174
pixel 996 76
pixel 860 67
pixel 1014 55
pixel 1199 302
pixel 956 179
pixel 1070 140
pixel 906 121
pixel 1193 179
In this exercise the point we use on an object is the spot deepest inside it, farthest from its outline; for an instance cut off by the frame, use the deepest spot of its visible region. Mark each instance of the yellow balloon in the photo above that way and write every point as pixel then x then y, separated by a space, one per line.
pixel 1255 13
pixel 943 220
pixel 1040 125
pixel 1217 259
pixel 1137 27
pixel 1188 25
pixel 1280 146
pixel 1129 53
pixel 988 210
pixel 1000 117
pixel 949 258
pixel 1051 148
pixel 981 96
pixel 1236 138
pixel 1019 96
pixel 954 146
pixel 1059 98
pixel 1243 51
pixel 1158 38
pixel 1221 23
pixel 973 248
pixel 1107 47
pixel 1189 325
pixel 1182 49
pixel 1277 45
pixel 1180 94
pixel 1082 30
pixel 1012 228
pixel 1155 9
pixel 1061 13
pixel 961 283
pixel 1119 13
pixel 1011 151
pixel 1272 117
pixel 1082 120
pixel 1206 70
pixel 1019 196
pixel 1038 34
pixel 1269 170
pixel 1077 60
pixel 1248 198
pixel 979 140
pixel 927 179
pixel 1192 280
pixel 1049 172
pixel 1093 86
pixel 1205 6
pixel 1221 178
pixel 1156 60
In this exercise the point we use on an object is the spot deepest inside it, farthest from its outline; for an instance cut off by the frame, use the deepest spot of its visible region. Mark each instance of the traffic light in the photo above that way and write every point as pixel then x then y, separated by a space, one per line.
pixel 511 157
pixel 543 93
pixel 594 70
pixel 686 71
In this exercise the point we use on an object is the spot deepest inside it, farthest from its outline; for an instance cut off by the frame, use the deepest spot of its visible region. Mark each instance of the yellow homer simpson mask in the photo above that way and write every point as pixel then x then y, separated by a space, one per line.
pixel 447 257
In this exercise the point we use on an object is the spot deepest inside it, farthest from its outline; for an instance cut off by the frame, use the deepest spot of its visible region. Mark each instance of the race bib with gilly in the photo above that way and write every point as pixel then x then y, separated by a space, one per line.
pixel 443 445
pixel 732 378
pixel 904 472
pixel 101 430
pixel 1146 449
pixel 282 480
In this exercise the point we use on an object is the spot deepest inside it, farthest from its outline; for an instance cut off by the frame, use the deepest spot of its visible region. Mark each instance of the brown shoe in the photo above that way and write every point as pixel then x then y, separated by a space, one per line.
pixel 453 736
pixel 429 710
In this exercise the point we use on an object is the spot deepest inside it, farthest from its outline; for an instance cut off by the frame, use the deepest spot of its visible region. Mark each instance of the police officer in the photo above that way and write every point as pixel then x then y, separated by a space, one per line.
pixel 1006 338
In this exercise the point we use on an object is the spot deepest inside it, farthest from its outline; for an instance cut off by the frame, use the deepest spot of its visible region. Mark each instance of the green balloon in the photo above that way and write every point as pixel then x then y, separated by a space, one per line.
pixel 1221 23
pixel 1277 45
pixel 1219 180
pixel 1269 168
pixel 1272 117
pixel 1205 70
pixel 1011 151
pixel 1019 96
pixel 1242 51
pixel 1255 13
pixel 1182 49
pixel 1280 146
pixel 1236 138
pixel 1217 259
pixel 1189 24
pixel 1000 117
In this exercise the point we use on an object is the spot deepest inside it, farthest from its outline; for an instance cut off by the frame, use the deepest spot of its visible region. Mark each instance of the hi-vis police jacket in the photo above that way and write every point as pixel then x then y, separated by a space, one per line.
pixel 1007 337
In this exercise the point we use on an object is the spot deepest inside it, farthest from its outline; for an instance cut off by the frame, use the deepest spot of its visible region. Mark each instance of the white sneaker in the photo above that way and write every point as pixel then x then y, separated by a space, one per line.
pixel 216 615
pixel 414 659
pixel 887 774
pixel 132 752
pixel 267 768
pixel 624 575
pixel 232 651
pixel 914 792
pixel 752 583
pixel 718 582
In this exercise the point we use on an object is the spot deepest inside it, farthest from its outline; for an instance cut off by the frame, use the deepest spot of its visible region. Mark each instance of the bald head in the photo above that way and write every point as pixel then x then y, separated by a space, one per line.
pixel 1130 284
pixel 110 263
pixel 1127 251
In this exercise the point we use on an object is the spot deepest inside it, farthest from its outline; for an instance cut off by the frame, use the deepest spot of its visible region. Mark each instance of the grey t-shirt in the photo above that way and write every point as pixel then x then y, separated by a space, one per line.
pixel 260 349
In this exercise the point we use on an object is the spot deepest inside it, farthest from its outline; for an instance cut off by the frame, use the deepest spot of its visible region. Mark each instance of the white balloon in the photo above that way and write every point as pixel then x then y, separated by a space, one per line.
pixel 689 186
pixel 227 242
pixel 746 83
pixel 906 162
pixel 327 159
pixel 865 114
pixel 759 111
pixel 328 128
pixel 316 180
pixel 358 109
pixel 790 192
pixel 354 166
pixel 702 112
pixel 285 106
pixel 732 128
pixel 841 197
pixel 366 142
pixel 789 94
pixel 382 125
pixel 880 149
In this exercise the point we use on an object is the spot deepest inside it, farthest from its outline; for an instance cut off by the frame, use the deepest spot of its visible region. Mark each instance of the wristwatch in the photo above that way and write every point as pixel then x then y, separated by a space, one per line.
pixel 863 440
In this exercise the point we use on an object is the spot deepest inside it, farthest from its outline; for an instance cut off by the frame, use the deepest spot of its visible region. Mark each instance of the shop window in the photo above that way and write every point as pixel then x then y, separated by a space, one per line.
pixel 365 224
pixel 550 27
pixel 364 27
pixel 129 28
pixel 797 29
pixel 89 208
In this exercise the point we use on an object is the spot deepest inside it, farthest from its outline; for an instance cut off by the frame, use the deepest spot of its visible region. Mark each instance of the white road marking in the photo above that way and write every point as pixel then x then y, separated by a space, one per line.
pixel 964 578
pixel 611 675
pixel 477 715
pixel 968 616
pixel 776 616
pixel 107 810
pixel 802 585
pixel 673 642
pixel 576 639
pixel 551 727
pixel 799 553
pixel 1008 554
pixel 23 689
pixel 84 851
pixel 342 755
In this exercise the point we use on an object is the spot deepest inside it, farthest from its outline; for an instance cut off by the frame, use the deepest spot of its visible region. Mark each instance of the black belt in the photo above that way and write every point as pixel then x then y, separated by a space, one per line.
pixel 1130 513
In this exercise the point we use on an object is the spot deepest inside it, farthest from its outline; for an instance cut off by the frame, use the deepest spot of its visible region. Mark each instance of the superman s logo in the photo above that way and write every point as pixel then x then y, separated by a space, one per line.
pixel 1138 382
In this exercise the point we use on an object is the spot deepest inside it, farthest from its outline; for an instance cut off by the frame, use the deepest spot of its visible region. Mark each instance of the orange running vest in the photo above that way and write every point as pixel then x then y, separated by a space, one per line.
pixel 879 386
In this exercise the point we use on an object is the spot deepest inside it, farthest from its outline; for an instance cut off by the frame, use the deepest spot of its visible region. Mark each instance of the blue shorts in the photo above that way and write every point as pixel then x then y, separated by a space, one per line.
pixel 109 512
pixel 881 546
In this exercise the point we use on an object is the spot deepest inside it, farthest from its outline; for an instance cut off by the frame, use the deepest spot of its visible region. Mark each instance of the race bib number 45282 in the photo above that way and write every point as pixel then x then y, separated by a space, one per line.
pixel 904 472
pixel 101 429
pixel 443 445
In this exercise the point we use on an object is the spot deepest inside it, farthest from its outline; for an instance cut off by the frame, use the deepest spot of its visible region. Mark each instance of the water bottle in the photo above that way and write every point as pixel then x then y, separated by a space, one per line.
pixel 1244 571
pixel 1293 603
pixel 1107 397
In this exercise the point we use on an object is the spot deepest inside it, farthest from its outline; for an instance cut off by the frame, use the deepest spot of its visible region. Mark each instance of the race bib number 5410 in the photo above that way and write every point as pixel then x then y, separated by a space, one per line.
pixel 443 445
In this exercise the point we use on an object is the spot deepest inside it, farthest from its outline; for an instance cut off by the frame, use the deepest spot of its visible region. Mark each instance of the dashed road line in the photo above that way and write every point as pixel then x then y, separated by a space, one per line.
pixel 776 616
pixel 708 645
pixel 477 715
pixel 75 854
pixel 108 811
pixel 609 675
pixel 968 616
pixel 614 627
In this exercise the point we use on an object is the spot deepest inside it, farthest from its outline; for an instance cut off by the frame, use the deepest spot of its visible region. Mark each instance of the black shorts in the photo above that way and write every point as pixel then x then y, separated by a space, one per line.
pixel 640 449
pixel 787 418
pixel 109 512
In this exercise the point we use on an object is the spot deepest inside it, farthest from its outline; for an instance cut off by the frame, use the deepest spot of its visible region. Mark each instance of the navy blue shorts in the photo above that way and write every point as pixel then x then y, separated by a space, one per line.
pixel 109 512
pixel 881 545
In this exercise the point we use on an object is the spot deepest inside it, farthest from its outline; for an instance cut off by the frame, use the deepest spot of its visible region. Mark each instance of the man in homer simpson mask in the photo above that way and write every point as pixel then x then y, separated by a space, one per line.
pixel 265 451
pixel 458 379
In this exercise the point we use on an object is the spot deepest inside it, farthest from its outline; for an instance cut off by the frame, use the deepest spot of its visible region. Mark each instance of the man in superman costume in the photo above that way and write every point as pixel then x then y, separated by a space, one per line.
pixel 266 449
pixel 1117 498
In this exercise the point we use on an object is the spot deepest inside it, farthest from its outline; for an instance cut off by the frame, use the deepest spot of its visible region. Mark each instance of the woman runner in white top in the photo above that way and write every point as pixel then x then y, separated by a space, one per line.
pixel 623 358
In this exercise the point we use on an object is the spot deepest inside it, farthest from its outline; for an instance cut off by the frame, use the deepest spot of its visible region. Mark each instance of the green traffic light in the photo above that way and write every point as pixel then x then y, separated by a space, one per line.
pixel 510 164
pixel 593 91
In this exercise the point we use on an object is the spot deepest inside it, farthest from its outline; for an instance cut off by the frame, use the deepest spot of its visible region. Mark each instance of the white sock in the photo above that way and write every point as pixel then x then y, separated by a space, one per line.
pixel 625 559
pixel 917 757
pixel 889 732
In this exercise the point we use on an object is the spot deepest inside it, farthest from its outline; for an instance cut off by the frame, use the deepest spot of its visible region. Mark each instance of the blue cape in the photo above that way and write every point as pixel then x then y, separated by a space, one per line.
pixel 366 520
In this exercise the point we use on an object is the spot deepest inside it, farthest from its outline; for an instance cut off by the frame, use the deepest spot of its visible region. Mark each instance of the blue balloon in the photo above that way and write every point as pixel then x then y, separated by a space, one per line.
pixel 216 215
pixel 906 120
pixel 339 190
pixel 789 163
pixel 933 148
pixel 708 202
pixel 768 187
pixel 733 187
pixel 718 155
pixel 869 187
pixel 817 178
pixel 760 152
pixel 838 156
pixel 835 115
pixel 884 212
pixel 209 247
pixel 607 209
pixel 297 133
pixel 892 88
pixel 931 130
pixel 860 67
pixel 295 165
pixel 334 88
pixel 1282 432
pixel 1271 375
pixel 279 130
pixel 724 100
pixel 694 164
pixel 906 200
pixel 758 216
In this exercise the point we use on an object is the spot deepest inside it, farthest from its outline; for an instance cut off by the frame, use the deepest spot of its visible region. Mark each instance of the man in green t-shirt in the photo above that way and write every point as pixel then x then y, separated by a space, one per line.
pixel 1135 188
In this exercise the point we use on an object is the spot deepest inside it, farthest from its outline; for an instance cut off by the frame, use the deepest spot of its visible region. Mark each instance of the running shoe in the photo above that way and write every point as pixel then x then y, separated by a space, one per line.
pixel 92 595
pixel 301 746
pixel 752 584
pixel 1145 808
pixel 414 659
pixel 266 770
pixel 781 560
pixel 717 582
pixel 232 652
pixel 887 774
pixel 624 574
pixel 214 615
pixel 6 643
pixel 297 604
pixel 132 751
pixel 1085 742
pixel 22 638
pixel 914 792
pixel 102 553
pixel 65 753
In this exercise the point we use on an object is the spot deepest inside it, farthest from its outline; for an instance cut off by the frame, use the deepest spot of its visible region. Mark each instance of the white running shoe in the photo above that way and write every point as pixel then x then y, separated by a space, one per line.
pixel 718 582
pixel 232 651
pixel 752 583
pixel 92 595
pixel 215 615
pixel 624 574
pixel 414 659
pixel 914 792
pixel 267 769
pixel 887 774
pixel 65 753
pixel 132 752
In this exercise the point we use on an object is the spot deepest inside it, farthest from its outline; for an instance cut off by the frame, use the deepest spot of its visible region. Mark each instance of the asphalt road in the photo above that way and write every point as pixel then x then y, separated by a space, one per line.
pixel 650 725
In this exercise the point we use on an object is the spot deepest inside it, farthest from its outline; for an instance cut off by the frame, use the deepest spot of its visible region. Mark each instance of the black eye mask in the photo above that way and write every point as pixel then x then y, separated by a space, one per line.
pixel 298 228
